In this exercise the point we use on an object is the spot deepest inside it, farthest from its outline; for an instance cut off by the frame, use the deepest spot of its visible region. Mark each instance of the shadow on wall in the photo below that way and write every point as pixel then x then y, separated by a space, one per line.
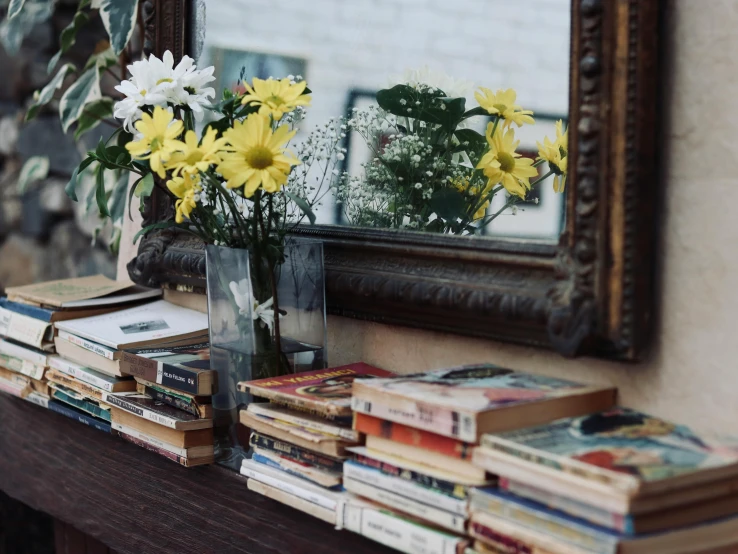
pixel 43 235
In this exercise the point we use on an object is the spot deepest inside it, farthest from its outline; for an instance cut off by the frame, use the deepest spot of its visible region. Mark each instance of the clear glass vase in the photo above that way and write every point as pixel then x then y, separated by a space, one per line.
pixel 247 341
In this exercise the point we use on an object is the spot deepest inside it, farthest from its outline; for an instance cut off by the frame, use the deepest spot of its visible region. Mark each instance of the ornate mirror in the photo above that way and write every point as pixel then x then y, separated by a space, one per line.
pixel 563 263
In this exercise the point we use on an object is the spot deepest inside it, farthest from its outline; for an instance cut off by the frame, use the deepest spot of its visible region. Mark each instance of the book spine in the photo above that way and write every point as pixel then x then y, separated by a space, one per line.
pixel 38 399
pixel 547 523
pixel 82 418
pixel 78 372
pixel 17 351
pixel 447 520
pixel 153 441
pixel 500 542
pixel 410 489
pixel 98 349
pixel 171 400
pixel 398 432
pixel 181 460
pixel 289 488
pixel 294 452
pixel 329 516
pixel 390 530
pixel 598 516
pixel 445 487
pixel 14 389
pixel 174 377
pixel 287 467
pixel 118 402
pixel 436 419
pixel 23 367
pixel 84 405
pixel 327 428
pixel 24 329
pixel 85 389
pixel 28 310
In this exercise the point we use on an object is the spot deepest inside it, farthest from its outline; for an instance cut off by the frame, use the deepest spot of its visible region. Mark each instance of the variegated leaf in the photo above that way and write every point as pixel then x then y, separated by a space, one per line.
pixel 119 18
pixel 85 90
pixel 15 7
pixel 35 169
pixel 13 30
pixel 47 93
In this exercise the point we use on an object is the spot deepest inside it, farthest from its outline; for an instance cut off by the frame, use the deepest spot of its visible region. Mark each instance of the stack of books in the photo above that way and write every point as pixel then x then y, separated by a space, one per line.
pixel 28 319
pixel 615 481
pixel 421 434
pixel 299 439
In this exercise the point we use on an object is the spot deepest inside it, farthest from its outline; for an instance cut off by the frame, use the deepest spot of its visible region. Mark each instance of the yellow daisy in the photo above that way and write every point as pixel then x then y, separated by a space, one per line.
pixel 501 164
pixel 556 154
pixel 502 103
pixel 255 156
pixel 159 139
pixel 276 97
pixel 476 192
pixel 192 157
pixel 185 188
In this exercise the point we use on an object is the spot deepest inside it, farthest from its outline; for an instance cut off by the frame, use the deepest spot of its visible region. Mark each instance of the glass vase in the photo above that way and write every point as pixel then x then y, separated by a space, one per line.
pixel 247 341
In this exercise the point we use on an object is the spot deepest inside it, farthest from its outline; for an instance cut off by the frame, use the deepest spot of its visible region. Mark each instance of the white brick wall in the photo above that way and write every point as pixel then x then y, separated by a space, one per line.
pixel 348 44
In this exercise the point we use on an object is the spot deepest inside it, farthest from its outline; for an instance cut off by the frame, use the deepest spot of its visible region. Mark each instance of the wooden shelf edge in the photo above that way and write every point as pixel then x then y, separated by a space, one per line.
pixel 139 503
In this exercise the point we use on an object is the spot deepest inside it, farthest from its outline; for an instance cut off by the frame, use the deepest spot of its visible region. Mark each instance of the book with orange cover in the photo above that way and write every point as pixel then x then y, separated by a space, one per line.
pixel 405 434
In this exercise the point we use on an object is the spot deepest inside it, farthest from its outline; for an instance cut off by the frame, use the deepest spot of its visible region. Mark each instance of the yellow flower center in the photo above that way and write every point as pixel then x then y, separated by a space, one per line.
pixel 143 92
pixel 156 144
pixel 194 157
pixel 502 108
pixel 507 162
pixel 275 100
pixel 164 80
pixel 259 157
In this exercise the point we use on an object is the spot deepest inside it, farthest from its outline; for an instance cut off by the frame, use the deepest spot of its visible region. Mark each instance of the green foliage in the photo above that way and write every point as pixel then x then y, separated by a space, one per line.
pixel 83 91
pixel 47 93
pixel 35 169
pixel 119 18
pixel 25 16
pixel 92 115
pixel 436 108
pixel 69 36
pixel 303 205
pixel 449 204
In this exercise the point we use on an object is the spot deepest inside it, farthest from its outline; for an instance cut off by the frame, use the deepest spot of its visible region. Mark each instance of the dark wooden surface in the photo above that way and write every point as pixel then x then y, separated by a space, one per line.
pixel 138 503
pixel 69 540
pixel 24 530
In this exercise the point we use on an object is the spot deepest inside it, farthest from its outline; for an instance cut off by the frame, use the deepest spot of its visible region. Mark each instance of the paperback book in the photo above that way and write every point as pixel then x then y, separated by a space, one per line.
pixel 77 415
pixel 27 330
pixel 146 407
pixel 181 460
pixel 138 327
pixel 304 420
pixel 191 452
pixel 24 367
pixel 326 392
pixel 321 477
pixel 79 387
pixel 622 450
pixel 97 379
pixel 199 406
pixel 87 358
pixel 49 315
pixel 183 368
pixel 324 514
pixel 174 437
pixel 76 400
pixel 294 452
pixel 80 292
pixel 32 355
pixel 465 402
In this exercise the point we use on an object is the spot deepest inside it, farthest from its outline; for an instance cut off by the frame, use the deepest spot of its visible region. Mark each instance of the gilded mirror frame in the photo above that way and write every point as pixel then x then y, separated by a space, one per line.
pixel 591 294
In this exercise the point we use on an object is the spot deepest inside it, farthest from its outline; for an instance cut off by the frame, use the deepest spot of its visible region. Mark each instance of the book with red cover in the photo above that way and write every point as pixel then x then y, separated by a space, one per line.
pixel 405 434
pixel 325 391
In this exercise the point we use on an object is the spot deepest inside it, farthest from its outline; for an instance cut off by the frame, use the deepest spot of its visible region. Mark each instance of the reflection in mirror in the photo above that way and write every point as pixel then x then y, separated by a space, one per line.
pixel 424 105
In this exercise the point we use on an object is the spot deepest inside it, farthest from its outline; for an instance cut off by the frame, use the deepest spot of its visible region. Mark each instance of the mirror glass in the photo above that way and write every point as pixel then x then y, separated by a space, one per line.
pixel 463 160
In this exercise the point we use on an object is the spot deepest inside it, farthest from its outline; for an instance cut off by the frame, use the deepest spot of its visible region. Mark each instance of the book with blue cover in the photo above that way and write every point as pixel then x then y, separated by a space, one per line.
pixel 80 416
pixel 622 449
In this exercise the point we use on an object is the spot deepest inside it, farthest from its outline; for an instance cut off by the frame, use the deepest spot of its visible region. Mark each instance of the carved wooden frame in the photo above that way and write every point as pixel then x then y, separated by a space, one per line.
pixel 591 294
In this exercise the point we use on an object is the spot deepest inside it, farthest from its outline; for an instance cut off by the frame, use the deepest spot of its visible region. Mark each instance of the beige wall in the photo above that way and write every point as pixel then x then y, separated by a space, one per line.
pixel 692 373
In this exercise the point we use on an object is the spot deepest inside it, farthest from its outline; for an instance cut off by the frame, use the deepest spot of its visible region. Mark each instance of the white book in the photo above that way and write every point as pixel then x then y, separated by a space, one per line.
pixel 329 516
pixel 99 349
pixel 38 399
pixel 82 373
pixel 441 518
pixel 140 326
pixel 292 485
pixel 25 329
pixel 24 367
pixel 389 529
pixel 146 407
pixel 135 433
pixel 405 487
pixel 18 351
pixel 308 421
pixel 14 387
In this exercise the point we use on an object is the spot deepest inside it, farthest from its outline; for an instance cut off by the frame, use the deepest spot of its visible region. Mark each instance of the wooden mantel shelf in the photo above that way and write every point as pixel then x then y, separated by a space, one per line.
pixel 138 503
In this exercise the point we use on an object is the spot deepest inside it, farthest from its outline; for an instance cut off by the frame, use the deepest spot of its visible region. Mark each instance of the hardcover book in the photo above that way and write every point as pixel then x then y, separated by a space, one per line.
pixel 622 449
pixel 153 410
pixel 183 368
pixel 465 402
pixel 199 406
pixel 411 436
pixel 325 391
pixel 79 292
pixel 145 325
pixel 294 452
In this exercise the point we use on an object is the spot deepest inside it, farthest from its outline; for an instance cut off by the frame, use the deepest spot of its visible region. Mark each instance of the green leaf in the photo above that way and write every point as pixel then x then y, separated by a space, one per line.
pixel 475 112
pixel 53 62
pixel 47 93
pixel 119 18
pixel 92 115
pixel 145 186
pixel 84 91
pixel 104 59
pixel 15 7
pixel 117 202
pixel 100 197
pixel 476 141
pixel 14 29
pixel 35 169
pixel 405 101
pixel 303 205
pixel 69 34
pixel 154 227
pixel 71 188
pixel 448 203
